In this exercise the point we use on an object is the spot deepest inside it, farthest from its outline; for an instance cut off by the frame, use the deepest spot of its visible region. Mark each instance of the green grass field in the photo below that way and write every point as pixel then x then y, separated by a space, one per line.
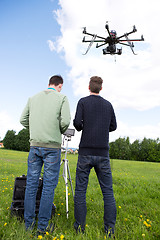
pixel 136 189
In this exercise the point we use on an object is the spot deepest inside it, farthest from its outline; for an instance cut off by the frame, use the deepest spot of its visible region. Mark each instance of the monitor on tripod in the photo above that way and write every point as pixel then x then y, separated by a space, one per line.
pixel 69 132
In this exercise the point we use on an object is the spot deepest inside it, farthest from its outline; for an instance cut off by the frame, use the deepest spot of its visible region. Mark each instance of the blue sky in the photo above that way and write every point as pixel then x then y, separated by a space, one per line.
pixel 40 38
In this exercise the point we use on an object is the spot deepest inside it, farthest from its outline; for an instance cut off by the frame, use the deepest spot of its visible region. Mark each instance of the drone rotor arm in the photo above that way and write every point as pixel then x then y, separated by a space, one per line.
pixel 90 34
pixel 124 44
pixel 84 40
pixel 132 40
pixel 97 46
pixel 126 34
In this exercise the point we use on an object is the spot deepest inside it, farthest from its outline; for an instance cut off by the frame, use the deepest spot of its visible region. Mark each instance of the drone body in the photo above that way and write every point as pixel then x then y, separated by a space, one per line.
pixel 111 40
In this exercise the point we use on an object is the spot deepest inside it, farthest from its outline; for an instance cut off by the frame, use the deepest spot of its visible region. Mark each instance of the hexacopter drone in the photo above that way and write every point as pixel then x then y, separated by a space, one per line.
pixel 111 40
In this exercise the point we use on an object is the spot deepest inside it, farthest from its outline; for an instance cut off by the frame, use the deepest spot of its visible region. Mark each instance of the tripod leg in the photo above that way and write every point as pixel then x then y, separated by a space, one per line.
pixel 70 179
pixel 66 182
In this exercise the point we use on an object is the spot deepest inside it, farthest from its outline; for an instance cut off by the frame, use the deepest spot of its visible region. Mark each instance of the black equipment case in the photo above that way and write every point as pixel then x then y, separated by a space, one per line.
pixel 17 206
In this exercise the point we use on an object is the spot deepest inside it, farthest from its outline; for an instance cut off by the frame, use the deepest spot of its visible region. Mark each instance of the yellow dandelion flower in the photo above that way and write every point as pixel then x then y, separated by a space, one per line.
pixel 141 216
pixel 5 224
pixel 146 224
pixel 54 238
pixel 47 233
pixel 119 206
pixel 40 237
pixel 61 237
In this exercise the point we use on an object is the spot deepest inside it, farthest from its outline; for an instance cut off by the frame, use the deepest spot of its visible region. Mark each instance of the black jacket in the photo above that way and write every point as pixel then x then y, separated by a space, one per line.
pixel 96 118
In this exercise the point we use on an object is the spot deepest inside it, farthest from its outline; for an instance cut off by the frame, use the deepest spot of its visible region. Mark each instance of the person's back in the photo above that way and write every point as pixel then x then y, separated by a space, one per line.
pixel 98 121
pixel 48 117
pixel 96 118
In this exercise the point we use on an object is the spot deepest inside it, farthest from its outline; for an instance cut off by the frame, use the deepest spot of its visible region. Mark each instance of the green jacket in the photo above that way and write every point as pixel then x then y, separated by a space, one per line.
pixel 47 115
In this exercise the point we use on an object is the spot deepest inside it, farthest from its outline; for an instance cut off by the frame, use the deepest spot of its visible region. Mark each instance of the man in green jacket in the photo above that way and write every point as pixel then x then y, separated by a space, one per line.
pixel 47 115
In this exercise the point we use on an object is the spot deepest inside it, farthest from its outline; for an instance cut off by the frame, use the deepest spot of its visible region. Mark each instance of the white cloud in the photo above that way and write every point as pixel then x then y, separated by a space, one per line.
pixel 131 81
pixel 7 123
pixel 136 132
pixel 51 45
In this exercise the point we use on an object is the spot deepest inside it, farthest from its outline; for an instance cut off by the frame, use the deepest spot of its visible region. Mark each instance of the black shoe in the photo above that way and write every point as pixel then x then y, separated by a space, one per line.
pixel 79 229
pixel 110 234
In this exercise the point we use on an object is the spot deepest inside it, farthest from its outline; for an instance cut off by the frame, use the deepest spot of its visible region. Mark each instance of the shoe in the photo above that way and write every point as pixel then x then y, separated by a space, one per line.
pixel 79 229
pixel 49 229
pixel 110 234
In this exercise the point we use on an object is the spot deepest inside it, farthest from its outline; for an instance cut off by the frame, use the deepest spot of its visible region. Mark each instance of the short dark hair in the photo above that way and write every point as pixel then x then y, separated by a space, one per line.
pixel 95 84
pixel 56 80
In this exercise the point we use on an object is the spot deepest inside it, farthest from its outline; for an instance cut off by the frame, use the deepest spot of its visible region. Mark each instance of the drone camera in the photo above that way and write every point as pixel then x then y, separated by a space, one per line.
pixel 110 49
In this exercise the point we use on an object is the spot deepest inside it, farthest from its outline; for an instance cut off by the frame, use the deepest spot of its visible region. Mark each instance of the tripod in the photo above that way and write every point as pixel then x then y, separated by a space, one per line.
pixel 66 172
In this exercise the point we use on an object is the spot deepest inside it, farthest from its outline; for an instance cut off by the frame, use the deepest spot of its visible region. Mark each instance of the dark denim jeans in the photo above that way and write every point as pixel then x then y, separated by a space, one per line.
pixel 38 156
pixel 103 171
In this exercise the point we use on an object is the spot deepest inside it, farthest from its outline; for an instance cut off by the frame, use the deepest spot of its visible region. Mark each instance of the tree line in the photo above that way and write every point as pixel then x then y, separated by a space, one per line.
pixel 140 150
pixel 18 142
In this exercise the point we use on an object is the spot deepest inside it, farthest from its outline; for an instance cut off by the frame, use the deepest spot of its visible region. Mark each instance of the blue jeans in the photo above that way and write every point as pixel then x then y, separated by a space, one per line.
pixel 38 156
pixel 103 171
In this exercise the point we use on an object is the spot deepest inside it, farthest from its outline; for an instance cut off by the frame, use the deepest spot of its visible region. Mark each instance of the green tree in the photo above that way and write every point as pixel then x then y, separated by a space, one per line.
pixel 153 151
pixel 135 150
pixel 120 149
pixel 9 140
pixel 22 140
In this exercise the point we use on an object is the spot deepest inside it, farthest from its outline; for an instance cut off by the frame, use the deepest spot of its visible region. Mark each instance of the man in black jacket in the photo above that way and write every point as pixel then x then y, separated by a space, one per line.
pixel 96 118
